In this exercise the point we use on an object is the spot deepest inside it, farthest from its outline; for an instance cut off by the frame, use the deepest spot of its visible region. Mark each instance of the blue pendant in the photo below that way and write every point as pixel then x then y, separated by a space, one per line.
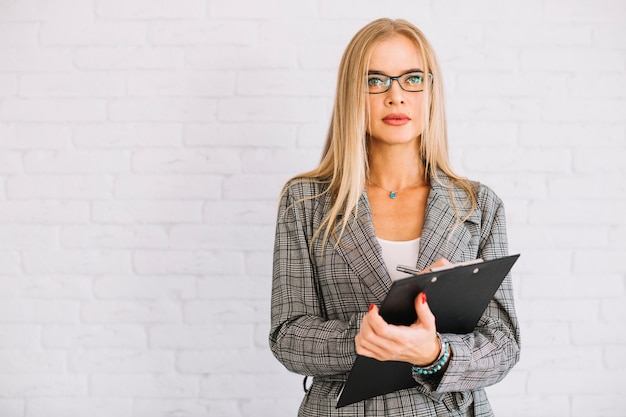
pixel 392 194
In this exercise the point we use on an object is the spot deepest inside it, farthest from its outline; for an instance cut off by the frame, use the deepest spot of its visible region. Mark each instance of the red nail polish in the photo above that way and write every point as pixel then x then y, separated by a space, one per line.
pixel 423 297
pixel 371 307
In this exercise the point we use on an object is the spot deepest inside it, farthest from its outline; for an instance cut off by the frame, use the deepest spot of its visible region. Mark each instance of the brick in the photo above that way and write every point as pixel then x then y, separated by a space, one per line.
pixel 78 407
pixel 279 160
pixel 514 383
pixel 593 331
pixel 19 336
pixel 145 288
pixel 542 382
pixel 76 262
pixel 163 110
pixel 242 386
pixel 182 84
pixel 608 405
pixel 243 9
pixel 54 162
pixel 210 161
pixel 26 59
pixel 569 287
pixel 189 408
pixel 143 386
pixel 94 33
pixel 584 11
pixel 259 263
pixel 128 58
pixel 128 135
pixel 488 10
pixel 226 311
pixel 121 361
pixel 231 237
pixel 168 187
pixel 140 311
pixel 242 57
pixel 72 85
pixel 599 261
pixel 200 336
pixel 46 212
pixel 501 109
pixel 312 135
pixel 523 405
pixel 10 262
pixel 187 262
pixel 94 336
pixel 199 33
pixel 227 288
pixel 144 9
pixel 38 136
pixel 42 385
pixel 286 83
pixel 593 162
pixel 238 213
pixel 34 10
pixel 146 212
pixel 309 31
pixel 113 237
pixel 609 34
pixel 486 58
pixel 51 287
pixel 8 85
pixel 225 361
pixel 240 134
pixel 598 185
pixel 570 212
pixel 32 362
pixel 53 110
pixel 12 407
pixel 574 134
pixel 38 311
pixel 273 109
pixel 261 187
pixel 281 407
pixel 538 34
pixel 10 162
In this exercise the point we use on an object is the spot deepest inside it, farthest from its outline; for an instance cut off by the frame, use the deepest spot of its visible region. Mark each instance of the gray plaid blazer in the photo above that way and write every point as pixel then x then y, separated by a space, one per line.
pixel 320 298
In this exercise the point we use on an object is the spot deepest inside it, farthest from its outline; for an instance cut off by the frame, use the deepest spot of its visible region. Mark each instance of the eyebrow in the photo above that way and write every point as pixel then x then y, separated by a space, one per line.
pixel 405 72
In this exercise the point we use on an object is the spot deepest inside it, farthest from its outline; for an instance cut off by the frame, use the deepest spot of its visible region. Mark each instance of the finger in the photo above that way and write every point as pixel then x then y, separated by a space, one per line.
pixel 439 262
pixel 425 316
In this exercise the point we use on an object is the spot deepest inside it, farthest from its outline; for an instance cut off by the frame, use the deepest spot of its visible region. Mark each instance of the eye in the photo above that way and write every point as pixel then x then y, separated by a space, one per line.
pixel 415 79
pixel 375 82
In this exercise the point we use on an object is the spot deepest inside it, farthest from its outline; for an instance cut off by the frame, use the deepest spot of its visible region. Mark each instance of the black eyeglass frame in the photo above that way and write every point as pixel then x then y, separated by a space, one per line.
pixel 397 78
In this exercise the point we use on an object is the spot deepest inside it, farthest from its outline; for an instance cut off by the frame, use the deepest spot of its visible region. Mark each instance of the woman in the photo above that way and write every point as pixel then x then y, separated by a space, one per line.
pixel 384 194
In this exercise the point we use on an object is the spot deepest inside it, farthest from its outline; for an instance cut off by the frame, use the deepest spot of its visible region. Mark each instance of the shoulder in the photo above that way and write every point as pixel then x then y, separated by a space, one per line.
pixel 486 197
pixel 299 188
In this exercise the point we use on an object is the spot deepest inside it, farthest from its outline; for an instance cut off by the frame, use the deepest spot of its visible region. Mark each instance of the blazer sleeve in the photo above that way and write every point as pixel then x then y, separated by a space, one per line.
pixel 485 356
pixel 301 338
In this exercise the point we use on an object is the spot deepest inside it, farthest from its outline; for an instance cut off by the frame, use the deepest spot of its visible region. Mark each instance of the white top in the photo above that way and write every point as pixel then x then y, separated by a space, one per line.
pixel 399 253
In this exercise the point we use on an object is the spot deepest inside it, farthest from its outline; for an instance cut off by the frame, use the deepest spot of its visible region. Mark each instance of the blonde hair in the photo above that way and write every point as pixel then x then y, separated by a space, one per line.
pixel 344 163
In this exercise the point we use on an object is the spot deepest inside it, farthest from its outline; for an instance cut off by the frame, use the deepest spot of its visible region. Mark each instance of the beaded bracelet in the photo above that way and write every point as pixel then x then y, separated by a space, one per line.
pixel 436 366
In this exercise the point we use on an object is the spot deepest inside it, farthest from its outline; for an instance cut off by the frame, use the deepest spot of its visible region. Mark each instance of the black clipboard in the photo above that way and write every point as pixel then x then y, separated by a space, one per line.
pixel 457 296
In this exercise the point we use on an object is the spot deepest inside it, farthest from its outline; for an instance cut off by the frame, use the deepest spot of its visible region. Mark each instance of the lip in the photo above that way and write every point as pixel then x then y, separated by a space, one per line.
pixel 396 119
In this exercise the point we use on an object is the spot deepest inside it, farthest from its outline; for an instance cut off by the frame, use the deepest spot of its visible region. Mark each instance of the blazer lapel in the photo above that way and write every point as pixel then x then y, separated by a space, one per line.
pixel 441 236
pixel 360 250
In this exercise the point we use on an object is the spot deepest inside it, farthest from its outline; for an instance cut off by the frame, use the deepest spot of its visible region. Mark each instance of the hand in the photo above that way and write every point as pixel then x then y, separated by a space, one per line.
pixel 416 344
pixel 439 262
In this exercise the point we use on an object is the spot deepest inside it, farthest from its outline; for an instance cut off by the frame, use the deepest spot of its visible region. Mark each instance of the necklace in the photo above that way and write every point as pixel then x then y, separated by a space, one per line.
pixel 394 193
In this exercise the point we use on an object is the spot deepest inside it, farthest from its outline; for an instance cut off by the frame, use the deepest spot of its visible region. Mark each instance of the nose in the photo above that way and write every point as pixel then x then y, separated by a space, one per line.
pixel 395 94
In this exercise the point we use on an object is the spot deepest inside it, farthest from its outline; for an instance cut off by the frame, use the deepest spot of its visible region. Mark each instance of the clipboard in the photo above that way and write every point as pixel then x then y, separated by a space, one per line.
pixel 457 296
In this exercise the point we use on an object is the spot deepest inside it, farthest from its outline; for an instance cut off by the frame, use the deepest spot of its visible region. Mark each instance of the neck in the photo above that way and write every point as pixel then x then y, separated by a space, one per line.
pixel 395 167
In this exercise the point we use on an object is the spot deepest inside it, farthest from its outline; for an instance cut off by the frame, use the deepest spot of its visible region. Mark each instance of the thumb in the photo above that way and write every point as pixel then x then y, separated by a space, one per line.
pixel 425 317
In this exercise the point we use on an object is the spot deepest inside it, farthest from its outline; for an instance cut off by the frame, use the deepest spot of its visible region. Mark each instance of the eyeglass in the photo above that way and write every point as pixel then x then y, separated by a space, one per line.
pixel 412 81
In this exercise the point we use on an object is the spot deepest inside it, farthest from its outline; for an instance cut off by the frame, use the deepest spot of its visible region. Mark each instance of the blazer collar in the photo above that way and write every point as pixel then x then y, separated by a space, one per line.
pixel 361 250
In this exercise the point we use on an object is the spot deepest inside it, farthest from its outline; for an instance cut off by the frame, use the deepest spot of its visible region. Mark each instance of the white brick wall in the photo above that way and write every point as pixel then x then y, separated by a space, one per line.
pixel 143 145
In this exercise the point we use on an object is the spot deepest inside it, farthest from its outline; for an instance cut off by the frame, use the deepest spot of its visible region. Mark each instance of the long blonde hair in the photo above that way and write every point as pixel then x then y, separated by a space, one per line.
pixel 344 162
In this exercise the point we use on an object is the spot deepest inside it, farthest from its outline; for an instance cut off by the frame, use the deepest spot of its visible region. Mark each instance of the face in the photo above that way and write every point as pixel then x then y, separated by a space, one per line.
pixel 395 116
